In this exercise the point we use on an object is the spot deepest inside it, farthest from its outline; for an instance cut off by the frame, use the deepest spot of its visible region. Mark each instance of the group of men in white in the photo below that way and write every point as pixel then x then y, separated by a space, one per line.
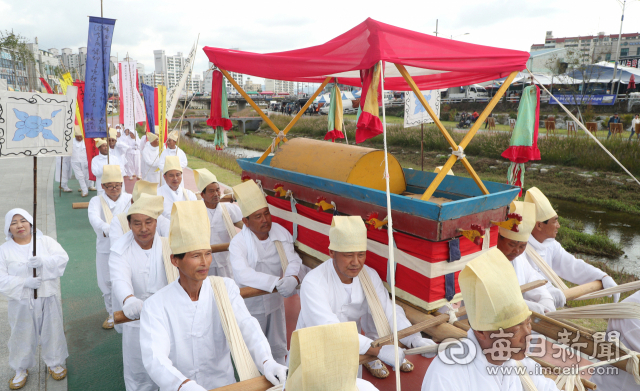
pixel 176 266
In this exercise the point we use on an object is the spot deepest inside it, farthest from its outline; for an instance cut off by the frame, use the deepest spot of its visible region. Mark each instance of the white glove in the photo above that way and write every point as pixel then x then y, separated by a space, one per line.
pixel 275 372
pixel 35 262
pixel 607 282
pixel 388 355
pixel 191 385
pixel 420 342
pixel 33 282
pixel 286 286
pixel 536 307
pixel 559 299
pixel 132 308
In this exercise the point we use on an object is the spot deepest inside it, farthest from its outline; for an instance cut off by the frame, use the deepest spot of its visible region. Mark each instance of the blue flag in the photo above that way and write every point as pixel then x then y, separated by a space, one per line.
pixel 97 76
pixel 149 105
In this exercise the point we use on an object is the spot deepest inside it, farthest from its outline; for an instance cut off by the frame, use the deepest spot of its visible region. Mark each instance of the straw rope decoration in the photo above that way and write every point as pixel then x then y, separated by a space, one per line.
pixel 228 224
pixel 108 215
pixel 622 310
pixel 525 379
pixel 379 318
pixel 546 269
pixel 630 286
pixel 239 352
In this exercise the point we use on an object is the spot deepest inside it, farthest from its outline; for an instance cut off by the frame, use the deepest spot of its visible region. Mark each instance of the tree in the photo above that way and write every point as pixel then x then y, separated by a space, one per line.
pixel 16 45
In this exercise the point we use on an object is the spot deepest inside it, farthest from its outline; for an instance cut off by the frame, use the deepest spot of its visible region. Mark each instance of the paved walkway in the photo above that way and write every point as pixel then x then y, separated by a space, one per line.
pixel 17 192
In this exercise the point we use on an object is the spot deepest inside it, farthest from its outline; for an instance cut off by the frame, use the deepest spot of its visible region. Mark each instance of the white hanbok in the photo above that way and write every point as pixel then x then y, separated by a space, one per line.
pixel 171 196
pixel 182 339
pixel 80 165
pixel 103 242
pixel 116 231
pixel 256 263
pixel 34 321
pixel 540 299
pixel 172 152
pixel 629 330
pixel 66 171
pixel 141 273
pixel 132 158
pixel 219 235
pixel 475 375
pixel 150 164
pixel 97 167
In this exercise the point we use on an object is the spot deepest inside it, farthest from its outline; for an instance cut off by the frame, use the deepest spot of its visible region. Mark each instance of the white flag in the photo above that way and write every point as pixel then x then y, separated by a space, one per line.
pixel 174 94
pixel 131 103
pixel 415 113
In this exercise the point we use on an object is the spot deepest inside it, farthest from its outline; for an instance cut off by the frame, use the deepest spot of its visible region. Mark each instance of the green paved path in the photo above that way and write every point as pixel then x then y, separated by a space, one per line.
pixel 95 354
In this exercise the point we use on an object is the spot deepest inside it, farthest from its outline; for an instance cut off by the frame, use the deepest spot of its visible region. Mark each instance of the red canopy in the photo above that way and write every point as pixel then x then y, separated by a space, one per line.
pixel 433 62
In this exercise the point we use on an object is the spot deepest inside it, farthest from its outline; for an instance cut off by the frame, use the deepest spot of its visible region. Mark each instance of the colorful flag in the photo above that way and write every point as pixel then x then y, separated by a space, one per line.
pixel 334 128
pixel 89 143
pixel 161 115
pixel 174 94
pixel 46 85
pixel 97 76
pixel 369 124
pixel 148 93
pixel 131 107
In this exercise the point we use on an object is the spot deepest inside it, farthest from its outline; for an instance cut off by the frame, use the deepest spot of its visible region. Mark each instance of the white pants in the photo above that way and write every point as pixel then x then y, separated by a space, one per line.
pixel 274 327
pixel 66 171
pixel 104 279
pixel 136 377
pixel 132 164
pixel 81 171
pixel 41 324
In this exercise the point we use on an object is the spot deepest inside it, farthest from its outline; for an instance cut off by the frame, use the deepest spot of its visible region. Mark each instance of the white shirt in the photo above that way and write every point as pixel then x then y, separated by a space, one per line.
pixel 634 122
pixel 150 162
pixel 219 234
pixel 629 330
pixel 142 142
pixel 97 167
pixel 564 264
pixel 263 271
pixel 181 339
pixel 539 299
pixel 79 152
pixel 173 152
pixel 475 376
pixel 324 300
pixel 99 222
pixel 14 270
pixel 171 196
pixel 121 146
pixel 116 231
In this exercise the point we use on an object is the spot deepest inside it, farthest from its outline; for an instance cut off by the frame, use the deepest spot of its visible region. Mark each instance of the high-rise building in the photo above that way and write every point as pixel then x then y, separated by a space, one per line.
pixel 250 85
pixel 26 78
pixel 170 67
pixel 278 86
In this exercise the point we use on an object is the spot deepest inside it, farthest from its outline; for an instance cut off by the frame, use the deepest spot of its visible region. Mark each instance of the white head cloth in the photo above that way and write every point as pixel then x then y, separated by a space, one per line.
pixel 9 216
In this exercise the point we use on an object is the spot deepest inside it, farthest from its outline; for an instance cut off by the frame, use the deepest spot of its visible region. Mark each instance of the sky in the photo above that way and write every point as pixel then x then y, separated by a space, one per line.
pixel 143 26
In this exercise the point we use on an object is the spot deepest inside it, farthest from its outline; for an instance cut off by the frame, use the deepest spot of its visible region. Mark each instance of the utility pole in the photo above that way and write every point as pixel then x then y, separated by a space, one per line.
pixel 615 65
pixel 436 26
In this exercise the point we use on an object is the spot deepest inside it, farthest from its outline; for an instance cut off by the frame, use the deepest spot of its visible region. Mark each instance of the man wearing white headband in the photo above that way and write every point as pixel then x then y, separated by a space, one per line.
pixel 150 161
pixel 102 210
pixel 183 343
pixel 172 149
pixel 173 190
pixel 219 216
pixel 500 326
pixel 333 293
pixel 564 264
pixel 257 263
pixel 100 160
pixel 512 244
pixel 33 321
pixel 137 271
pixel 79 162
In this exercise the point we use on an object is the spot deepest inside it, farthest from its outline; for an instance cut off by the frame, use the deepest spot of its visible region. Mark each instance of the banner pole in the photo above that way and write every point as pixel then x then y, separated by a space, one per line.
pixel 35 207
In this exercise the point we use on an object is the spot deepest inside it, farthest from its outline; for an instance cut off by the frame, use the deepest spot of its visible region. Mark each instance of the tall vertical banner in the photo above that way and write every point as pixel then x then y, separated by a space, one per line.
pixel 97 76
pixel 174 94
pixel 132 110
pixel 414 111
pixel 36 124
pixel 161 116
pixel 89 143
pixel 149 104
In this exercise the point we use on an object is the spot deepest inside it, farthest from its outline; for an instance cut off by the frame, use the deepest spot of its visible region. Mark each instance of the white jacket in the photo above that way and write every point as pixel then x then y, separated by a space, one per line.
pixel 99 222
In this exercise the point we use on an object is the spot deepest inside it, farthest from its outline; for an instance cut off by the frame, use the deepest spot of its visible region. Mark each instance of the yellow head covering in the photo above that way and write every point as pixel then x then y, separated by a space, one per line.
pixel 78 131
pixel 151 137
pixel 544 210
pixel 528 212
pixel 439 168
pixel 249 197
pixel 324 358
pixel 143 187
pixel 189 229
pixel 347 234
pixel 174 135
pixel 111 173
pixel 100 142
pixel 203 178
pixel 113 133
pixel 171 163
pixel 148 205
pixel 491 292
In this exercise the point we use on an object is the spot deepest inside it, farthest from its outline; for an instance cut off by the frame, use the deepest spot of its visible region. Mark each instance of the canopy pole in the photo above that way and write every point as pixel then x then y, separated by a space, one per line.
pixel 295 119
pixel 392 263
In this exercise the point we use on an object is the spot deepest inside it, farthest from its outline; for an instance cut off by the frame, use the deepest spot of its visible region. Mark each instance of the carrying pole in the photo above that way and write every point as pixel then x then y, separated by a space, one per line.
pixel 35 207
pixel 60 187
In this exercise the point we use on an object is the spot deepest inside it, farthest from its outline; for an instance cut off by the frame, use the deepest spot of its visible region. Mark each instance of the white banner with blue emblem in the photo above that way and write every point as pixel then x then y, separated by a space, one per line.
pixel 414 111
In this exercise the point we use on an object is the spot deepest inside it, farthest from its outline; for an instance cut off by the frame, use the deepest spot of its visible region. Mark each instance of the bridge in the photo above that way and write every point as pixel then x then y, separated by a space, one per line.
pixel 205 101
pixel 244 123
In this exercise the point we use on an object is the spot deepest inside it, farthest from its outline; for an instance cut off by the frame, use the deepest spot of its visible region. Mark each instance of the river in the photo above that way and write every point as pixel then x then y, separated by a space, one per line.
pixel 621 227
